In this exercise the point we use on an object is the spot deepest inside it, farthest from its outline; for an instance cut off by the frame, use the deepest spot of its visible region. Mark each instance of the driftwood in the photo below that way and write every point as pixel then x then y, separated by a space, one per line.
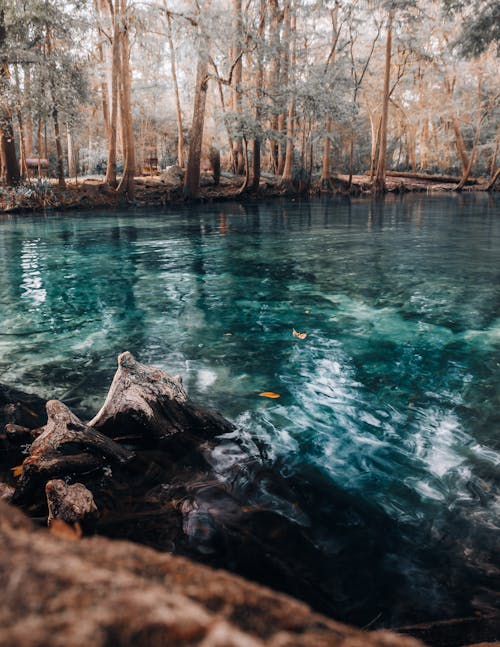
pixel 441 179
pixel 145 402
pixel 69 503
pixel 65 446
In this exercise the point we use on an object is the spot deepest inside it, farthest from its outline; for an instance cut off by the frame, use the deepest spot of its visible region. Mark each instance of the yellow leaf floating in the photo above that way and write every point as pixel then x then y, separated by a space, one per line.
pixel 17 470
pixel 299 335
pixel 269 394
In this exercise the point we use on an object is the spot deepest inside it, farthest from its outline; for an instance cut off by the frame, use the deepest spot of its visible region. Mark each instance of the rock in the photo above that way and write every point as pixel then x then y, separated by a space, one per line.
pixel 101 592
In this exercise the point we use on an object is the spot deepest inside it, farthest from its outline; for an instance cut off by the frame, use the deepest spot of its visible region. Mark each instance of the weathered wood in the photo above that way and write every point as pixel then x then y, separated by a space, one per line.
pixel 64 433
pixel 65 446
pixel 70 503
pixel 147 401
pixel 444 179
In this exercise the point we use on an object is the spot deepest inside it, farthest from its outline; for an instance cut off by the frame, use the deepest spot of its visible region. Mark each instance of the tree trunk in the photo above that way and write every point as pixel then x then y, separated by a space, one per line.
pixel 459 141
pixel 274 72
pixel 99 5
pixel 28 122
pixel 9 156
pixel 493 179
pixel 39 147
pixel 55 118
pixel 288 165
pixel 178 111
pixel 379 183
pixel 192 176
pixel 127 183
pixel 71 154
pixel 236 103
pixel 473 154
pixel 325 165
pixel 289 64
pixel 59 151
pixel 115 75
pixel 256 147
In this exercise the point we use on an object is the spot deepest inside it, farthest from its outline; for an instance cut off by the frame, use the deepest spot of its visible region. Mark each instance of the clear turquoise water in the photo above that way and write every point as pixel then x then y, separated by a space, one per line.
pixel 393 397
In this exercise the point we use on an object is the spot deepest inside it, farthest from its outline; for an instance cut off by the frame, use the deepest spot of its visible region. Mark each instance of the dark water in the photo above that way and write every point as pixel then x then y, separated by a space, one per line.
pixel 390 407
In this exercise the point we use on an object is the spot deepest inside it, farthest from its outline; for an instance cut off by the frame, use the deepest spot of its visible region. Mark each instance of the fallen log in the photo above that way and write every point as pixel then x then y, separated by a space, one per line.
pixel 427 177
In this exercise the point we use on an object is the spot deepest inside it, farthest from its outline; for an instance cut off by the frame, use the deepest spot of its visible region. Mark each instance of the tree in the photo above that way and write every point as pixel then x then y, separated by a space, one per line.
pixel 10 164
pixel 192 176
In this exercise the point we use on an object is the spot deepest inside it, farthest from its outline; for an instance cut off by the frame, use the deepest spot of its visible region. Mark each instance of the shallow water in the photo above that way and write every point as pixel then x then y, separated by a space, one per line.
pixel 389 410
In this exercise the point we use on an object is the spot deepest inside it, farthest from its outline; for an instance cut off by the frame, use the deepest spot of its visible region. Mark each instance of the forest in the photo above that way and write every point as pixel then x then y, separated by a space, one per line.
pixel 303 90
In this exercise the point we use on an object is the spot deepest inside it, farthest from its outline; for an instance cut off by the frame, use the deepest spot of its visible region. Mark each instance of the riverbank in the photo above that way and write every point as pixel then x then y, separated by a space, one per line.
pixel 153 191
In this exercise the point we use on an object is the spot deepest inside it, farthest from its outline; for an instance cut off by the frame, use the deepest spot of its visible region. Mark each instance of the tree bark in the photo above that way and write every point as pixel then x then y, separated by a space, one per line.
pixel 55 117
pixel 115 75
pixel 178 111
pixel 192 176
pixel 325 164
pixel 379 183
pixel 71 154
pixel 290 22
pixel 127 183
pixel 237 78
pixel 59 151
pixel 274 72
pixel 7 142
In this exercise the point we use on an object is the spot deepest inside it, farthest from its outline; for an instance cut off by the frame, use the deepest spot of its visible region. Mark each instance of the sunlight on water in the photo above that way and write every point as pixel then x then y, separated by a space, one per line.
pixel 393 397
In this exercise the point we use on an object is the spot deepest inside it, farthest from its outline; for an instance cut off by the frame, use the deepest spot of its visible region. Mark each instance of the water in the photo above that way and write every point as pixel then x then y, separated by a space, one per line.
pixel 389 408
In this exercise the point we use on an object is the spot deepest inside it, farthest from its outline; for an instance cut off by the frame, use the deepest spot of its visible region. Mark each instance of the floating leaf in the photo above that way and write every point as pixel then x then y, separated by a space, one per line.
pixel 17 470
pixel 269 394
pixel 299 335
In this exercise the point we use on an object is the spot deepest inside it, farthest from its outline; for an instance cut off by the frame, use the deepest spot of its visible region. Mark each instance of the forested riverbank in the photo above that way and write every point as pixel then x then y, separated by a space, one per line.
pixel 310 94
pixel 167 189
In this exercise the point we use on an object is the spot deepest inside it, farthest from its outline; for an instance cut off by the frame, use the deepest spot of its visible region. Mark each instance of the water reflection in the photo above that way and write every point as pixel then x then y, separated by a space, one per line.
pixel 388 408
